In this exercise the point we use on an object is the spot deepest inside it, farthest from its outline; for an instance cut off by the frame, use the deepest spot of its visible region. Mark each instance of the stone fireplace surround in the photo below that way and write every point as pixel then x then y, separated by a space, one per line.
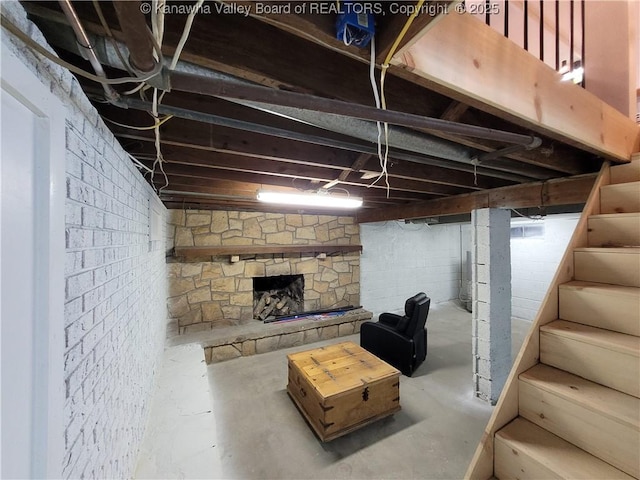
pixel 210 292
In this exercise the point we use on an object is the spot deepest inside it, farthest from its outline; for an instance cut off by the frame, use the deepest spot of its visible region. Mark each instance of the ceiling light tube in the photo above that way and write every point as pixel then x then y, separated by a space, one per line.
pixel 309 199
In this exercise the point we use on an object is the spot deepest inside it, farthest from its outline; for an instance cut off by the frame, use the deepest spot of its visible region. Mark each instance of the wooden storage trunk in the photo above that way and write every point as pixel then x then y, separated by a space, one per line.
pixel 340 388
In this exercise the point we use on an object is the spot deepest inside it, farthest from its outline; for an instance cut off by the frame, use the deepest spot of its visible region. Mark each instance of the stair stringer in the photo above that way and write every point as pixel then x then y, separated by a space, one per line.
pixel 481 466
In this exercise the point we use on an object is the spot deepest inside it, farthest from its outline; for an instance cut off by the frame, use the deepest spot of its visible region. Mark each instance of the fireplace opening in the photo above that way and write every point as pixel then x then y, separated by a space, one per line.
pixel 279 295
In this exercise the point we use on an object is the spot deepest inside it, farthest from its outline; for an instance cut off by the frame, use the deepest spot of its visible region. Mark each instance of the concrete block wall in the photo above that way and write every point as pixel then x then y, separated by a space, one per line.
pixel 398 260
pixel 115 285
pixel 534 262
pixel 491 293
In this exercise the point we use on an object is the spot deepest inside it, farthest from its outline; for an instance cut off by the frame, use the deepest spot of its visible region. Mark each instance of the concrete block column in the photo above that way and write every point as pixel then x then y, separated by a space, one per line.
pixel 491 294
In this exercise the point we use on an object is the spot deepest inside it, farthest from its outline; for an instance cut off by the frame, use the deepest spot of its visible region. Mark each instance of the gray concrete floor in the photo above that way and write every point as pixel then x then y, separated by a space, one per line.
pixel 261 434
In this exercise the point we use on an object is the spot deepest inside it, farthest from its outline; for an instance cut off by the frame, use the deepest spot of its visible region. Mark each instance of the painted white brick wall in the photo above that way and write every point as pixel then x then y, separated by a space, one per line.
pixel 534 262
pixel 398 260
pixel 115 287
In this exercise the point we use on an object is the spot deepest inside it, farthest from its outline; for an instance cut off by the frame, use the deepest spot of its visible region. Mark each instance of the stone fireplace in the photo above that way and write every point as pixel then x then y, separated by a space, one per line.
pixel 209 291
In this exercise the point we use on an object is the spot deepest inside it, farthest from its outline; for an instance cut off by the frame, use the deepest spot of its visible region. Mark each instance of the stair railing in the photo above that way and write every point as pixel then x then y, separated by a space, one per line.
pixel 560 27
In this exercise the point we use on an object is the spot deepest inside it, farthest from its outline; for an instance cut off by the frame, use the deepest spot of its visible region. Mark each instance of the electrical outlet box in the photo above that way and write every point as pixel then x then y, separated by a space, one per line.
pixel 355 24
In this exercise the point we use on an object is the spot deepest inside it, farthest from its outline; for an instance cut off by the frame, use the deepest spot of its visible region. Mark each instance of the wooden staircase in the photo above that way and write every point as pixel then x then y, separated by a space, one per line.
pixel 571 406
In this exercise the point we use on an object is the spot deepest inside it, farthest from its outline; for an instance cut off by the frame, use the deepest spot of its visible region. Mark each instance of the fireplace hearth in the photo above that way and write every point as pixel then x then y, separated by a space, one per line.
pixel 277 295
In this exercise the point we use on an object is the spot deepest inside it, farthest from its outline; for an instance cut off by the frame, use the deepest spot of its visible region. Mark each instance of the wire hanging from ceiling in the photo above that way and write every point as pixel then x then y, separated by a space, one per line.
pixel 133 127
pixel 383 101
pixel 157 24
pixel 374 86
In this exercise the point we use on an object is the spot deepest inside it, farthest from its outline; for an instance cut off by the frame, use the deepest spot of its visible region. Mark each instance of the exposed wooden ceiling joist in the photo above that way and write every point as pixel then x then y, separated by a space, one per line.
pixel 564 191
pixel 213 166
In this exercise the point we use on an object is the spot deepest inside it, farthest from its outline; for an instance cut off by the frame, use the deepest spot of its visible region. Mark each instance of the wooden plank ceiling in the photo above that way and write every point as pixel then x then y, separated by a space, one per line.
pixel 222 166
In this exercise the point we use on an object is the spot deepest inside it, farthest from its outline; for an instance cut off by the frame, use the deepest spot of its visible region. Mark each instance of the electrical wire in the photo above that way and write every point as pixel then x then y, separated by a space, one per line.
pixel 132 127
pixel 159 162
pixel 157 19
pixel 78 71
pixel 157 54
pixel 383 74
pixel 376 96
pixel 374 86
pixel 344 37
pixel 134 90
pixel 530 217
pixel 112 40
pixel 338 188
pixel 139 164
pixel 157 25
pixel 401 35
pixel 157 22
pixel 185 34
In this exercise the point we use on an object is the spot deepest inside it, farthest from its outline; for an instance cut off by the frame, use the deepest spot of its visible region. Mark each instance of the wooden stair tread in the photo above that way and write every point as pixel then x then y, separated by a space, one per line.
pixel 606 288
pixel 616 405
pixel 599 420
pixel 619 342
pixel 601 305
pixel 623 250
pixel 614 186
pixel 620 197
pixel 614 230
pixel 613 265
pixel 533 452
pixel 627 172
pixel 616 215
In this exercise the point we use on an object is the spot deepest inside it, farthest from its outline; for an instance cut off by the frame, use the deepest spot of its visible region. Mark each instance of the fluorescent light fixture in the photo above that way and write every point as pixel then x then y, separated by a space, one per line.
pixel 309 199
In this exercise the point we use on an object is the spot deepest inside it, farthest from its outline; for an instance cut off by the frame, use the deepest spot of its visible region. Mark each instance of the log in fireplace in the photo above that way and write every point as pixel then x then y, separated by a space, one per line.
pixel 277 295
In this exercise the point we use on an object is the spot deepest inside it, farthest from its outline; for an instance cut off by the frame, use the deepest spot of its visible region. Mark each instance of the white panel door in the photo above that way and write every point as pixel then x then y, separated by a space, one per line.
pixel 31 275
pixel 18 285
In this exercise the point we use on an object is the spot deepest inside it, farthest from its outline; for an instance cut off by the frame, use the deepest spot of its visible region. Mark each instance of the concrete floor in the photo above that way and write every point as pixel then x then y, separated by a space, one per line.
pixel 261 434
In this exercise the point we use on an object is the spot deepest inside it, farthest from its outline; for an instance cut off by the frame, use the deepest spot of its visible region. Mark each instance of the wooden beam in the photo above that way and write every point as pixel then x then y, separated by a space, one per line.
pixel 551 154
pixel 454 111
pixel 207 137
pixel 276 58
pixel 263 249
pixel 204 137
pixel 298 181
pixel 200 155
pixel 360 162
pixel 544 156
pixel 227 109
pixel 189 188
pixel 205 134
pixel 141 143
pixel 204 202
pixel 238 163
pixel 564 191
pixel 463 58
pixel 398 14
pixel 568 164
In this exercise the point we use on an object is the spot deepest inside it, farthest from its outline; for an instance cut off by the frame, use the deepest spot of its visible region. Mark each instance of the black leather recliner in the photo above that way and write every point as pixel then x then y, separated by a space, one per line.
pixel 399 340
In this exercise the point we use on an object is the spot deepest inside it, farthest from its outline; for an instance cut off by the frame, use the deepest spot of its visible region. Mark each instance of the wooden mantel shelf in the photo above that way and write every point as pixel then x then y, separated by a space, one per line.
pixel 263 249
